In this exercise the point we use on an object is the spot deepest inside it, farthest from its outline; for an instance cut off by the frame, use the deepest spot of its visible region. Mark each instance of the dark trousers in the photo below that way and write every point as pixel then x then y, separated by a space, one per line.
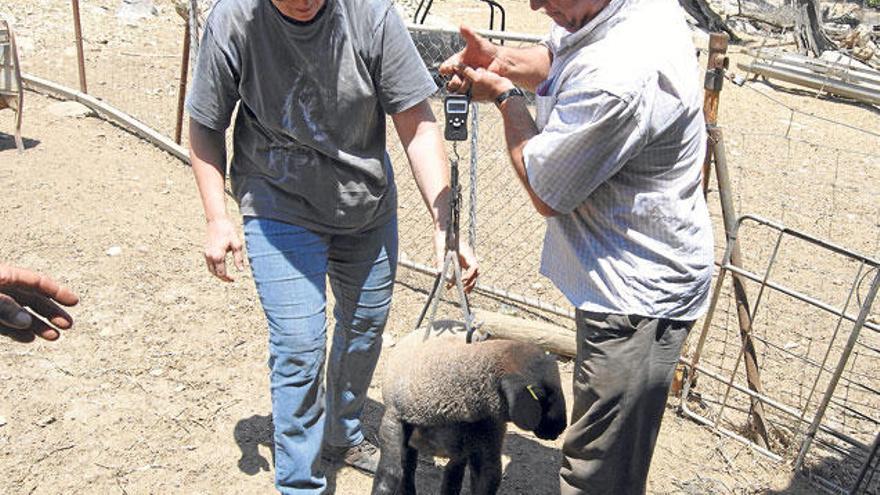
pixel 623 371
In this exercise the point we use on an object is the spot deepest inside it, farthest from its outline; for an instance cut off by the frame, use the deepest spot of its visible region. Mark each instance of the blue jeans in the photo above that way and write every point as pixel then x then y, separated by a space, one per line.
pixel 291 266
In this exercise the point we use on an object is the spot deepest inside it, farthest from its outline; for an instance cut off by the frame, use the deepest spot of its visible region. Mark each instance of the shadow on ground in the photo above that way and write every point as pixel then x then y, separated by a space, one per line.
pixel 533 467
pixel 7 142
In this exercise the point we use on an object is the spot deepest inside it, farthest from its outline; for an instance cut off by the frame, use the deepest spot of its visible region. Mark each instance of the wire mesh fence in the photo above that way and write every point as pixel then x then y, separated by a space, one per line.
pixel 802 166
pixel 816 174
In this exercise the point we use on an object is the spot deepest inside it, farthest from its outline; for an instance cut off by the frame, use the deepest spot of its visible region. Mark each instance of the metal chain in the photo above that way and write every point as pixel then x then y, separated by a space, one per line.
pixel 472 228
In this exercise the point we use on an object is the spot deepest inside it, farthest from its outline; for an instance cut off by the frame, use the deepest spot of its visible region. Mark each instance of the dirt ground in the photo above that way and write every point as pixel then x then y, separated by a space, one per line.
pixel 162 386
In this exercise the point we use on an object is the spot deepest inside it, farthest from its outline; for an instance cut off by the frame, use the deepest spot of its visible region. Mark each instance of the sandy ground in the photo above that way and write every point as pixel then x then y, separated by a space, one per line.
pixel 162 386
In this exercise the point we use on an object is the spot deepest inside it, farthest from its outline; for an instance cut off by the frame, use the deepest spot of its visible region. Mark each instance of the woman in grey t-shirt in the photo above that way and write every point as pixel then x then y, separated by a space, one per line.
pixel 314 80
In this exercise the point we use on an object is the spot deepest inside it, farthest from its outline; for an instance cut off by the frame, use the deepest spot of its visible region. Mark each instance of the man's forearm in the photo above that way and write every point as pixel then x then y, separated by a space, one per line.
pixel 525 67
pixel 208 159
pixel 519 128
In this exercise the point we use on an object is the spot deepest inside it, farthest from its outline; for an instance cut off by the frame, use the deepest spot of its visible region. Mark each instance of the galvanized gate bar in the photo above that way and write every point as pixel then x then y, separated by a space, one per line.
pixel 841 364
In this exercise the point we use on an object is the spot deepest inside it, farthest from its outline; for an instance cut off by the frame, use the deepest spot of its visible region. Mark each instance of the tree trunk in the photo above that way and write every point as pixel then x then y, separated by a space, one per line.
pixel 706 17
pixel 808 33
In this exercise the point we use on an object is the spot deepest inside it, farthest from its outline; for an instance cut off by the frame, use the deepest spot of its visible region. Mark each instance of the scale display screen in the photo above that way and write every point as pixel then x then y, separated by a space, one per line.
pixel 456 106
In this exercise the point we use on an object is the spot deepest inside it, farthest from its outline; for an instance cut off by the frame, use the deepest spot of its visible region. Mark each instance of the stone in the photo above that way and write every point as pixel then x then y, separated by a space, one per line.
pixel 70 109
pixel 132 12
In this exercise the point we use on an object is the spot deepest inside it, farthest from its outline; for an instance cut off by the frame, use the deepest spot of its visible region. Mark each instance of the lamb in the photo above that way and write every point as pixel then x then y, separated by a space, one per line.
pixel 452 399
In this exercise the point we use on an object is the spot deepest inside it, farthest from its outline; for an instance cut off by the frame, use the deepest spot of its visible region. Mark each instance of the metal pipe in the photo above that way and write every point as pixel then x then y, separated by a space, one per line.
pixel 744 318
pixel 800 296
pixel 838 88
pixel 495 292
pixel 807 237
pixel 794 413
pixel 497 35
pixel 864 471
pixel 752 316
pixel 77 28
pixel 852 290
pixel 829 392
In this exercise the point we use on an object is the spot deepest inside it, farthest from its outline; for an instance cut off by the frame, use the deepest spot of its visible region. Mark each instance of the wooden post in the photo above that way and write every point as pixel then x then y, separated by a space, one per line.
pixel 715 67
pixel 181 88
pixel 79 47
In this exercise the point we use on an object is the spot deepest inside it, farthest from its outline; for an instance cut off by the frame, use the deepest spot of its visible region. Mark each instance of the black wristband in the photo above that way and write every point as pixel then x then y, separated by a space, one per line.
pixel 514 91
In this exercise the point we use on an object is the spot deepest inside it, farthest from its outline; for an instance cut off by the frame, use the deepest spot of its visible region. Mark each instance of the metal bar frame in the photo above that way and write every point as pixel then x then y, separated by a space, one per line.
pixel 799 414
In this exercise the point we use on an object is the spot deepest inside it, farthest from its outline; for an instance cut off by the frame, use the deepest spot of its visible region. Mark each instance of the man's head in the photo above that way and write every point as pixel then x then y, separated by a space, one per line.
pixel 570 14
pixel 300 10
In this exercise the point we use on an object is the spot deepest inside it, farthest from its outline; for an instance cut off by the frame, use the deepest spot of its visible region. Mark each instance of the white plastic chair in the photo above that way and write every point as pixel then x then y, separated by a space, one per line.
pixel 11 92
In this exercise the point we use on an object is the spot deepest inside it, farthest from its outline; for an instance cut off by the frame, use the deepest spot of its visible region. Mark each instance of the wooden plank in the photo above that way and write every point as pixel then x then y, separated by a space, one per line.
pixel 107 112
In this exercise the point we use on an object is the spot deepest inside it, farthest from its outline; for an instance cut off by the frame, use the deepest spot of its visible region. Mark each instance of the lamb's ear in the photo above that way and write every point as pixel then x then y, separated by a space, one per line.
pixel 523 401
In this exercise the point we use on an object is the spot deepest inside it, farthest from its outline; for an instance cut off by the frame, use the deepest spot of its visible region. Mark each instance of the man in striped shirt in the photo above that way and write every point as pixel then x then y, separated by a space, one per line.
pixel 613 160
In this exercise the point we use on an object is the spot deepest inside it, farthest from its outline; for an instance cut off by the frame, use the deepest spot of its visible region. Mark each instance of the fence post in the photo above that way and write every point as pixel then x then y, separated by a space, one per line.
pixel 181 88
pixel 715 67
pixel 81 63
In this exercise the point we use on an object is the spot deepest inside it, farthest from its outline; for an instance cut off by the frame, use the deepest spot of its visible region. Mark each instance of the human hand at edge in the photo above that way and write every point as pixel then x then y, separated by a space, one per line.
pixel 221 239
pixel 20 287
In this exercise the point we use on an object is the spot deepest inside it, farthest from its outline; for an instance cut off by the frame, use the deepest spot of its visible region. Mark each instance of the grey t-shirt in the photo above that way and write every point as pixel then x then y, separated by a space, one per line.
pixel 309 136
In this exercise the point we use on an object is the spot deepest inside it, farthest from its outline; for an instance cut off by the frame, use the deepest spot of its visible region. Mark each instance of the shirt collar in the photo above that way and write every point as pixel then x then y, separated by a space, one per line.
pixel 561 40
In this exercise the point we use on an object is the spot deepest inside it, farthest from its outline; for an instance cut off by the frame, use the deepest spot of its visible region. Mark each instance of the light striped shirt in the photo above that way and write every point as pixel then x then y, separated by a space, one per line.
pixel 619 154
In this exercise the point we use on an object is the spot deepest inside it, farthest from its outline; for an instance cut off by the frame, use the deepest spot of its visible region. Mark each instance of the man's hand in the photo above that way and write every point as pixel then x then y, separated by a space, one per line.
pixel 470 269
pixel 222 238
pixel 42 295
pixel 482 84
pixel 478 52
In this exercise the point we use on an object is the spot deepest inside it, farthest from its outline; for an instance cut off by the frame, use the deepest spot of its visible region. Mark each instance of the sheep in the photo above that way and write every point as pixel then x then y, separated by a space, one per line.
pixel 448 398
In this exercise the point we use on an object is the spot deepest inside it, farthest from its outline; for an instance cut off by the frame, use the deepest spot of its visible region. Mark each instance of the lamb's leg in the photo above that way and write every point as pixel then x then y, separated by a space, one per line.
pixel 485 461
pixel 393 455
pixel 410 458
pixel 485 473
pixel 453 476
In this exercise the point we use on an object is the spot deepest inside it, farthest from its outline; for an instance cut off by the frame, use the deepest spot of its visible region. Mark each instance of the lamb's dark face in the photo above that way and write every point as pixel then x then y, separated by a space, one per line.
pixel 535 403
pixel 553 421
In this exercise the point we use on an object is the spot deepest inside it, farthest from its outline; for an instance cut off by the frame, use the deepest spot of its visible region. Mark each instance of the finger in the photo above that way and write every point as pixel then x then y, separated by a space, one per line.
pixel 470 37
pixel 37 327
pixel 20 278
pixel 45 307
pixel 448 66
pixel 469 275
pixel 471 279
pixel 43 330
pixel 220 271
pixel 468 73
pixel 12 314
pixel 210 264
pixel 455 83
pixel 238 256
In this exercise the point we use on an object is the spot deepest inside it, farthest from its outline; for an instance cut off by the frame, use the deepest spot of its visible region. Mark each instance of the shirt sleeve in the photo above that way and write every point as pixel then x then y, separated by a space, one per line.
pixel 214 89
pixel 589 136
pixel 401 78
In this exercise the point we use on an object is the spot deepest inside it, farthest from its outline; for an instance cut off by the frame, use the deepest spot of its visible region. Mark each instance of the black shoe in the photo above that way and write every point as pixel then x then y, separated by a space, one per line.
pixel 363 456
